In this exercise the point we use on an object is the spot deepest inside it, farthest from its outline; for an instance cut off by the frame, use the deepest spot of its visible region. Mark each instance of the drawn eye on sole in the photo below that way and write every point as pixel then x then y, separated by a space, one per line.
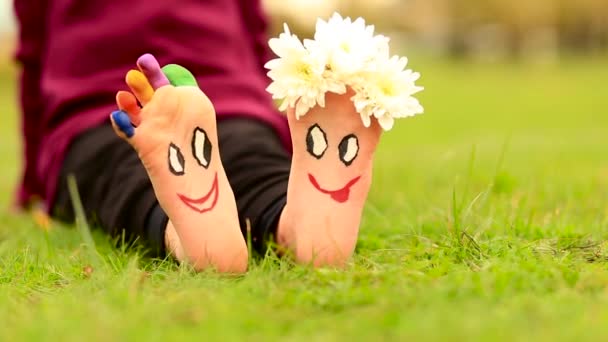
pixel 201 147
pixel 176 160
pixel 316 141
pixel 348 149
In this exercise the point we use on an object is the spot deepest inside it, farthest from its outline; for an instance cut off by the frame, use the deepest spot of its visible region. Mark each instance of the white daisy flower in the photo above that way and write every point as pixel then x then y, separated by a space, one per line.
pixel 387 92
pixel 344 53
pixel 299 77
pixel 351 46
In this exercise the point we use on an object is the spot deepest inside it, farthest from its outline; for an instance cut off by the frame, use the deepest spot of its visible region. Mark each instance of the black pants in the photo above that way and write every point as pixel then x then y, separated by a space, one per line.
pixel 117 195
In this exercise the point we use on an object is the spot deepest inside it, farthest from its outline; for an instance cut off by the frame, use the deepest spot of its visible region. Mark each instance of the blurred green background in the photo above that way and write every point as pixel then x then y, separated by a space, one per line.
pixel 480 29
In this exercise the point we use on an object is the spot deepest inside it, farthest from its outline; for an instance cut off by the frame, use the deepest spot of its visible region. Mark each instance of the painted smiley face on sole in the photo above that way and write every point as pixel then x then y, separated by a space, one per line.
pixel 348 150
pixel 201 151
pixel 340 195
pixel 330 177
pixel 202 205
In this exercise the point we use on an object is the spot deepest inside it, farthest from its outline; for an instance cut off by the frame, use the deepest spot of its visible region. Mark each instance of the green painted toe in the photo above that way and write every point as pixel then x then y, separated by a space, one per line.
pixel 179 76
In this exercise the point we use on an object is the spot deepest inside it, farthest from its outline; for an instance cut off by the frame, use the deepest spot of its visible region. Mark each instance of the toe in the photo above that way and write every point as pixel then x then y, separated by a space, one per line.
pixel 140 86
pixel 179 76
pixel 127 102
pixel 151 69
pixel 122 124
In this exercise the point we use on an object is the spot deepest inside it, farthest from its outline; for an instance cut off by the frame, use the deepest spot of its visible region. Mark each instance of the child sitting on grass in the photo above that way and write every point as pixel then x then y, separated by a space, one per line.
pixel 209 155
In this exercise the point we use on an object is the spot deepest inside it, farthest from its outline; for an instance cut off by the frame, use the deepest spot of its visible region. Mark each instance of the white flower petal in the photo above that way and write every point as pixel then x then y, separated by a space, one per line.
pixel 367 121
pixel 344 53
pixel 386 122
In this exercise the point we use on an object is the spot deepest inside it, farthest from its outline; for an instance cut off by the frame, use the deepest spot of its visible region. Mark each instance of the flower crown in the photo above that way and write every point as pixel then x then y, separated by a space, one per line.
pixel 343 54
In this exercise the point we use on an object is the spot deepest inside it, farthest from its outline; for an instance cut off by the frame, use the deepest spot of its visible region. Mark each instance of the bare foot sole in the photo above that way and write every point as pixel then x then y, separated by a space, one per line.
pixel 329 181
pixel 175 136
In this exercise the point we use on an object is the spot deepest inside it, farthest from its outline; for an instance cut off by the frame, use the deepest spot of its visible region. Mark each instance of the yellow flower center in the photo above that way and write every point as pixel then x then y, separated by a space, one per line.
pixel 304 70
pixel 345 47
pixel 387 88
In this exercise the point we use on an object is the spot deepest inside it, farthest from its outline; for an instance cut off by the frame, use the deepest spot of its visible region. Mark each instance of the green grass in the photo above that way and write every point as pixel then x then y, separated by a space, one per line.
pixel 488 219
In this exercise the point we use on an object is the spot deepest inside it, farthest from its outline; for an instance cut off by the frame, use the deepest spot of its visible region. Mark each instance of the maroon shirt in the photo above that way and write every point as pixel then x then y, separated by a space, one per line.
pixel 75 54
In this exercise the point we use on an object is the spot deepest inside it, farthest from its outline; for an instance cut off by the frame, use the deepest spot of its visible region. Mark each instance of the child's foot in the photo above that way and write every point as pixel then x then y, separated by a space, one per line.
pixel 176 139
pixel 330 177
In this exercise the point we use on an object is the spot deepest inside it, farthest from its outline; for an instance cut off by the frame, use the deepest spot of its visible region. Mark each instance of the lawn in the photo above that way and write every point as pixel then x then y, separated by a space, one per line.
pixel 487 219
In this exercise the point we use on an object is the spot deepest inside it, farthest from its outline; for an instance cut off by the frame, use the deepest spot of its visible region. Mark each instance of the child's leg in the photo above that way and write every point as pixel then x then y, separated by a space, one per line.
pixel 118 197
pixel 176 139
pixel 329 181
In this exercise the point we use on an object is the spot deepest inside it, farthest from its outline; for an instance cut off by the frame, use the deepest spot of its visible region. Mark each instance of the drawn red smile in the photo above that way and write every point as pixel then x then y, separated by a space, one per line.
pixel 198 205
pixel 340 195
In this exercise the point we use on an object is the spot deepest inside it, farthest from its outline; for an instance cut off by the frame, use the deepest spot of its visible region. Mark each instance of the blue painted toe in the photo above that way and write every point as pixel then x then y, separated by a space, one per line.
pixel 122 121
